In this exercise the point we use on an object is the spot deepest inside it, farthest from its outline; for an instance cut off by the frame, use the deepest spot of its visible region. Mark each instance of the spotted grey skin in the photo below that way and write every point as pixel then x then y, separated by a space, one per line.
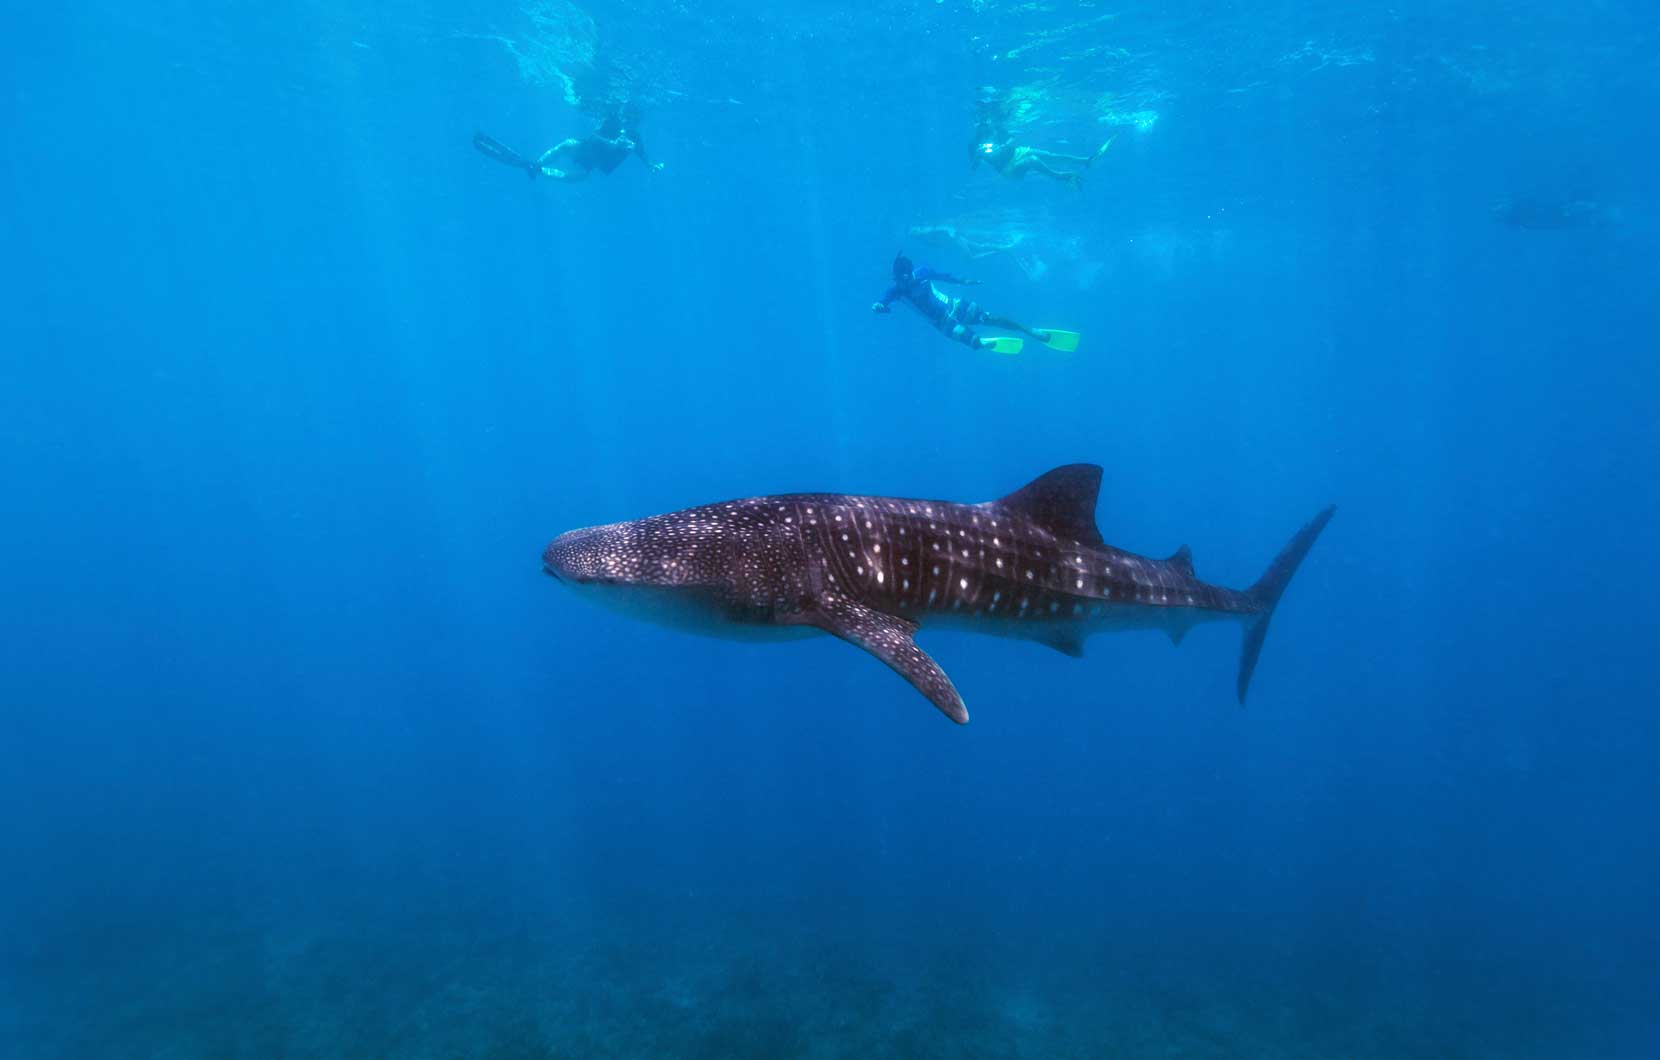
pixel 873 570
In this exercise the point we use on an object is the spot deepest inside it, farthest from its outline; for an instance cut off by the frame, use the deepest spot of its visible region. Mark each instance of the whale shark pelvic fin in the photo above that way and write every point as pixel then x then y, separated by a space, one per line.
pixel 1065 640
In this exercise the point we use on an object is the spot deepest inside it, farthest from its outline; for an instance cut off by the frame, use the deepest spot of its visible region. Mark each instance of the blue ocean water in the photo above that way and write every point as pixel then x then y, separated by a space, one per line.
pixel 303 756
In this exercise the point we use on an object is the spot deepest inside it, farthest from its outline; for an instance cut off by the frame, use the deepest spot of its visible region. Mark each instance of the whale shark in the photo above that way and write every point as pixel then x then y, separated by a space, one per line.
pixel 874 570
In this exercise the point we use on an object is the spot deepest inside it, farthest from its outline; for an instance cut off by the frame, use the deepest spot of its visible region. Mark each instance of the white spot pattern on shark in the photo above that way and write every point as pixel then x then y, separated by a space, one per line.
pixel 768 563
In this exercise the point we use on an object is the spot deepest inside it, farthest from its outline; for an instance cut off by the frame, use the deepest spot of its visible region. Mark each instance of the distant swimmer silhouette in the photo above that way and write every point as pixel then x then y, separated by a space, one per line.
pixel 573 159
pixel 956 318
pixel 970 244
pixel 1551 214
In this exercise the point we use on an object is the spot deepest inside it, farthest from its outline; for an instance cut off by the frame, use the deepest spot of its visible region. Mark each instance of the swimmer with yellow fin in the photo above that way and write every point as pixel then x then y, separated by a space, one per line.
pixel 957 317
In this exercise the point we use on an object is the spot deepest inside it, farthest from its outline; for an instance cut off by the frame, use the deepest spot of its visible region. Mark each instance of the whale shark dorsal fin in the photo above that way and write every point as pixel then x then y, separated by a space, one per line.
pixel 888 637
pixel 1182 560
pixel 1061 501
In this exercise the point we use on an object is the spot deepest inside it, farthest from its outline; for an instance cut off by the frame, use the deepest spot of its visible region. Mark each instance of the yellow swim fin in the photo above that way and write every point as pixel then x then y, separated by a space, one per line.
pixel 1064 341
pixel 1005 344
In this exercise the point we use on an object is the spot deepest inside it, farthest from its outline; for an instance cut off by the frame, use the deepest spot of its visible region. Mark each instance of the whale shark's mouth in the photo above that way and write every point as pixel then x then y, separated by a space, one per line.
pixel 579 578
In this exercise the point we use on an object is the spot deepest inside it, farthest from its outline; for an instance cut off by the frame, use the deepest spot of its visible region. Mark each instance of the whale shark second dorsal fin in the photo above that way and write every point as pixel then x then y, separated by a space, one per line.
pixel 1061 501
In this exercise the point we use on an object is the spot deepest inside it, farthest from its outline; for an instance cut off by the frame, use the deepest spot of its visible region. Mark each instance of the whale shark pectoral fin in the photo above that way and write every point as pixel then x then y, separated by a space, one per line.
pixel 888 637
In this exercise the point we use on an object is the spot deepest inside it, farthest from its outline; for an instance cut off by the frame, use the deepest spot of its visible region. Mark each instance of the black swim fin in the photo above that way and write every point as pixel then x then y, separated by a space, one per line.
pixel 499 151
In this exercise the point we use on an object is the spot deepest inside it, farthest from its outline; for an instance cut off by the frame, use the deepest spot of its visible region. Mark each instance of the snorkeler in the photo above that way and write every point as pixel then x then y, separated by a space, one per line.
pixel 1015 161
pixel 573 159
pixel 995 146
pixel 957 317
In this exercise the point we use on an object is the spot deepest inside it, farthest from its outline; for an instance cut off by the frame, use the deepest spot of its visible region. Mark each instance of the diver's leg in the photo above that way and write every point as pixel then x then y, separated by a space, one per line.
pixel 554 154
pixel 562 147
pixel 948 326
pixel 962 316
pixel 1057 156
pixel 564 176
pixel 560 162
pixel 1005 322
pixel 1032 162
pixel 493 148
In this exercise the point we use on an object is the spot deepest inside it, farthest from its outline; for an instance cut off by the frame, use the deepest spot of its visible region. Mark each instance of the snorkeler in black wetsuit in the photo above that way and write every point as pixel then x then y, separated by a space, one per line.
pixel 573 159
pixel 953 317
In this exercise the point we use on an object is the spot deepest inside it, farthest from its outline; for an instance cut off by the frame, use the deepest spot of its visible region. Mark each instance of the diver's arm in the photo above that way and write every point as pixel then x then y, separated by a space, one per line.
pixel 881 304
pixel 944 277
pixel 640 149
pixel 629 145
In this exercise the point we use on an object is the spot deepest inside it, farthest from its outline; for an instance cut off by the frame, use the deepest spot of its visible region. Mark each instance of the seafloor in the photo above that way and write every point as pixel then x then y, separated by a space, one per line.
pixel 702 981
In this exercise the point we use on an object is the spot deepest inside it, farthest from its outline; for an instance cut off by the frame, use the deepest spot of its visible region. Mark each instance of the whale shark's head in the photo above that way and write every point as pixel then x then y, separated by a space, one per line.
pixel 602 555
pixel 673 570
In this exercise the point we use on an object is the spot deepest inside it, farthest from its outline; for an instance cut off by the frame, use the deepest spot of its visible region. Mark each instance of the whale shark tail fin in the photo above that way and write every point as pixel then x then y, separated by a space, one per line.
pixel 1266 593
